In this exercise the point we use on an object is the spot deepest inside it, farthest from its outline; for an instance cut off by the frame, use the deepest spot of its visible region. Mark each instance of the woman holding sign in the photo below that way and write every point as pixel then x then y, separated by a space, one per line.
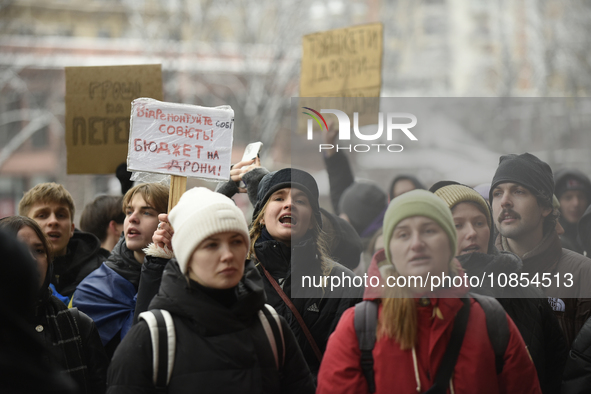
pixel 290 251
pixel 212 299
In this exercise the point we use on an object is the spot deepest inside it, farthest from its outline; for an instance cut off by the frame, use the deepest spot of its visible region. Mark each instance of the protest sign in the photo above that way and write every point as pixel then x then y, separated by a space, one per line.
pixel 98 104
pixel 342 63
pixel 180 139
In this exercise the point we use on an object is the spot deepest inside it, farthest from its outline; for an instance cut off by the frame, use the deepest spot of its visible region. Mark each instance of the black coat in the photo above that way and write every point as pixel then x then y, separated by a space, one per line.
pixel 219 349
pixel 577 373
pixel 82 257
pixel 529 310
pixel 72 339
pixel 26 366
pixel 320 308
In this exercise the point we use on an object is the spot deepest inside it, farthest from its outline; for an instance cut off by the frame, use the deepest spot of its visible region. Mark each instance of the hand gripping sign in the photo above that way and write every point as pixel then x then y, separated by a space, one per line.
pixel 180 139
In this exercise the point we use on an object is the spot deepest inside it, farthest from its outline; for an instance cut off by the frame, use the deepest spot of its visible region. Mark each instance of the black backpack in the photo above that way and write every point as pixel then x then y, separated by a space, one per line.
pixel 163 337
pixel 366 318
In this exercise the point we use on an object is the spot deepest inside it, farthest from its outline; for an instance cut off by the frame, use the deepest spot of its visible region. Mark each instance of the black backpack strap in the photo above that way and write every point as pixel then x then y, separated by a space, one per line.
pixel 366 322
pixel 497 327
pixel 450 357
pixel 163 338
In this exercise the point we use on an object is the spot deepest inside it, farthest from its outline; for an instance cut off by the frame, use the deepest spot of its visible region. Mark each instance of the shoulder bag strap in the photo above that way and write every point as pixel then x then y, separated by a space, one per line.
pixel 295 312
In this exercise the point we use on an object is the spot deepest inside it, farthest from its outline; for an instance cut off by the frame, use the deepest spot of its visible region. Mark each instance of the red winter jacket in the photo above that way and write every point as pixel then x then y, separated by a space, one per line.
pixel 395 372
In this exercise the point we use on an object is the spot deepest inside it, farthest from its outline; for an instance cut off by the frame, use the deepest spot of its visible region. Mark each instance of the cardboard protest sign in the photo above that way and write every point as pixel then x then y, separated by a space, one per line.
pixel 180 139
pixel 342 63
pixel 98 104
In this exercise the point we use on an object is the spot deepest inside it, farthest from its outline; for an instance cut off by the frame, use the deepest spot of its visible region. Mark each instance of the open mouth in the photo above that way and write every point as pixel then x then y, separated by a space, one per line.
pixel 287 219
pixel 471 249
pixel 54 235
pixel 133 232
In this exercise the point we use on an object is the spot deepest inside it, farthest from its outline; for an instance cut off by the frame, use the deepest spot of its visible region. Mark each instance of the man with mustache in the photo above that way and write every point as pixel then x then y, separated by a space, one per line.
pixel 521 198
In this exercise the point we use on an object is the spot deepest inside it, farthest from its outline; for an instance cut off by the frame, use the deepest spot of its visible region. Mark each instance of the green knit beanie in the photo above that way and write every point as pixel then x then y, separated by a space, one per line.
pixel 418 203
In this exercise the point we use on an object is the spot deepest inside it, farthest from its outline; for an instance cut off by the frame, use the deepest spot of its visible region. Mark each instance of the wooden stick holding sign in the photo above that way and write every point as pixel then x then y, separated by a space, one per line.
pixel 178 185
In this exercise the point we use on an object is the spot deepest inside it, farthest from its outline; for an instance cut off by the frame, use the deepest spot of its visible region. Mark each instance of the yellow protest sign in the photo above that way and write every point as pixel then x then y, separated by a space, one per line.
pixel 343 62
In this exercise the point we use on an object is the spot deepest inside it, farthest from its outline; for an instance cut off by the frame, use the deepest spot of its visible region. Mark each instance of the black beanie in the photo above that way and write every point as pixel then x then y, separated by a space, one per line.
pixel 571 179
pixel 527 170
pixel 362 203
pixel 288 177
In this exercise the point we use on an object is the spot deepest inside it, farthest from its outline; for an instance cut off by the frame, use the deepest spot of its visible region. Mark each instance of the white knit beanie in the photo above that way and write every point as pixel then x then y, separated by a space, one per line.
pixel 201 213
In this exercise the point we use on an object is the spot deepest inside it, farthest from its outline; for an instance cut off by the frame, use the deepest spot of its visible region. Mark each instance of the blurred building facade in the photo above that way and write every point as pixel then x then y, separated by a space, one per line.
pixel 247 55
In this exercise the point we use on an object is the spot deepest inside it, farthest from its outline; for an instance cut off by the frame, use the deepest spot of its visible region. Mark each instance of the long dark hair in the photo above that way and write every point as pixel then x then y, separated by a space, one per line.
pixel 13 224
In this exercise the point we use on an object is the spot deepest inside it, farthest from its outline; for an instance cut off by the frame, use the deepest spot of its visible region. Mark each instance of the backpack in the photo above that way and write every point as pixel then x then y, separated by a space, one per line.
pixel 163 336
pixel 366 318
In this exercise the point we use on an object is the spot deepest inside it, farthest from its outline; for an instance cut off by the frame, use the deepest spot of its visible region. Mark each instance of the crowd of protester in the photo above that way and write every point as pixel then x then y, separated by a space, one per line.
pixel 199 299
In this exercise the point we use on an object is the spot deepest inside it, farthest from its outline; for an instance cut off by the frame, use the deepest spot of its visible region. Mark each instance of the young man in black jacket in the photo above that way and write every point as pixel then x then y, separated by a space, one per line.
pixel 76 253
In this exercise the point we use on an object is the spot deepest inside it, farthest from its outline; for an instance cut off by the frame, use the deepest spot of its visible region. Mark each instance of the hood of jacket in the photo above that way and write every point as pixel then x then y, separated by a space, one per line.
pixel 202 313
pixel 278 258
pixel 82 248
pixel 344 243
pixel 482 265
pixel 123 262
pixel 82 257
pixel 543 258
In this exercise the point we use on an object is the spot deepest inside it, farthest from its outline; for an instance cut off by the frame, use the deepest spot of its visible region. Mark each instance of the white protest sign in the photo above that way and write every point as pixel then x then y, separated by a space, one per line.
pixel 180 139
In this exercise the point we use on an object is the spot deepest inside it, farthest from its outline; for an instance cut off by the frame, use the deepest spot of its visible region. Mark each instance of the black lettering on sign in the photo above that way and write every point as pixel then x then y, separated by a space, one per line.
pixel 100 131
pixel 114 90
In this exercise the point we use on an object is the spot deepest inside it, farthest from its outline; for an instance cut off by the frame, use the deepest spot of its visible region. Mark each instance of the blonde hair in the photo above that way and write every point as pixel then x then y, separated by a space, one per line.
pixel 321 238
pixel 399 312
pixel 49 192
pixel 155 194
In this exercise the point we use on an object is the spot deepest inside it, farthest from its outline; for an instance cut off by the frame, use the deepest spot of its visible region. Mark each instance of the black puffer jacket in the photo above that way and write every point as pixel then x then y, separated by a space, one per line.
pixel 219 349
pixel 577 373
pixel 73 340
pixel 320 308
pixel 82 257
pixel 529 310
